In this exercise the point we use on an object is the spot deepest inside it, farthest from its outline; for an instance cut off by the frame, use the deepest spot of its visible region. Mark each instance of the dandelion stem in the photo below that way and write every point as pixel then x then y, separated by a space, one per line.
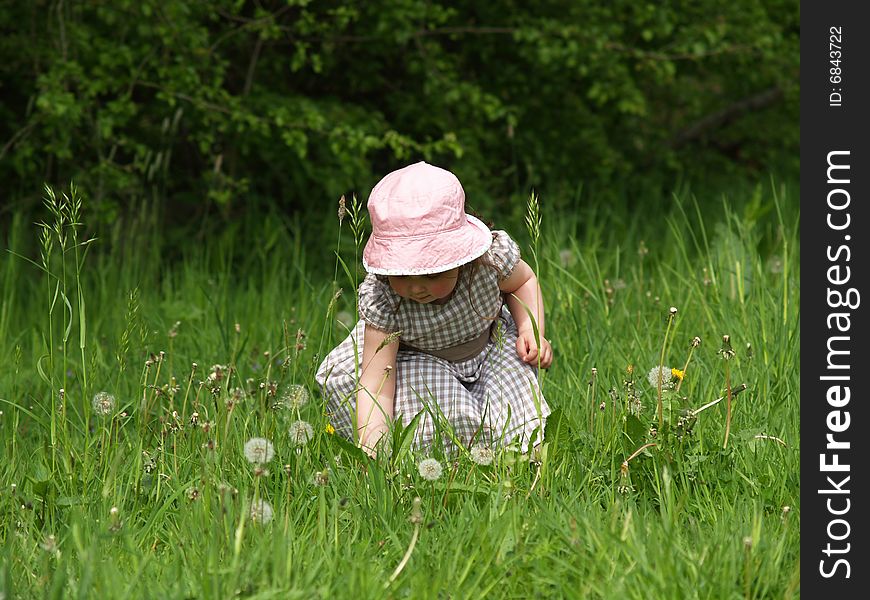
pixel 727 404
pixel 592 399
pixel 734 393
pixel 405 558
pixel 686 366
pixel 638 451
pixel 671 316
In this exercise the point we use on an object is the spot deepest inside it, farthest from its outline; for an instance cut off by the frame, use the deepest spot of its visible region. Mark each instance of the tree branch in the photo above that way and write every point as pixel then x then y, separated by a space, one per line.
pixel 726 115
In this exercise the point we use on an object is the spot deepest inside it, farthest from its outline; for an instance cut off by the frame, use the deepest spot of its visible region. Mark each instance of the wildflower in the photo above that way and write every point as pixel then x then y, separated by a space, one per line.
pixel 261 512
pixel 678 374
pixel 49 544
pixel 775 265
pixel 259 450
pixel 115 518
pixel 416 516
pixel 696 341
pixel 661 374
pixel 149 464
pixel 295 397
pixel 225 489
pixel 103 403
pixel 301 433
pixel 482 455
pixel 329 429
pixel 567 258
pixel 430 469
pixel 192 494
pixel 321 478
pixel 726 350
pixel 217 374
pixel 642 250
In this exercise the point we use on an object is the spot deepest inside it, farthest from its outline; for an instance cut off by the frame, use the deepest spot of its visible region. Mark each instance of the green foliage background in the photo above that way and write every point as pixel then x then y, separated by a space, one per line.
pixel 227 104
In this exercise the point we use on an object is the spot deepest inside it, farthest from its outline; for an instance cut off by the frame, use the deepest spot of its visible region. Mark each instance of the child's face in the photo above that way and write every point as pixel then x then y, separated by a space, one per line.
pixel 425 289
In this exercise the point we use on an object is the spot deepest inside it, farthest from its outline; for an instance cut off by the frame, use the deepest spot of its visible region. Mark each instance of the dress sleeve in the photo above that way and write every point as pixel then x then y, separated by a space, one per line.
pixel 504 254
pixel 377 305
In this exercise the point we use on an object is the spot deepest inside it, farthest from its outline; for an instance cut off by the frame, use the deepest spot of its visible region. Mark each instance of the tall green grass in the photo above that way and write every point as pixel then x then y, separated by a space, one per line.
pixel 149 501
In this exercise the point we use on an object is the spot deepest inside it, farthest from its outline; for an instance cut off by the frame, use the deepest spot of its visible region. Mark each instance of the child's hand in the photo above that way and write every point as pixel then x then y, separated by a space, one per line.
pixel 528 351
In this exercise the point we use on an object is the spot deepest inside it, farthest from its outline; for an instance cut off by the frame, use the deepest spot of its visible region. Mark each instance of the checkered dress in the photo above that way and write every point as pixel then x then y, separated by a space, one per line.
pixel 491 399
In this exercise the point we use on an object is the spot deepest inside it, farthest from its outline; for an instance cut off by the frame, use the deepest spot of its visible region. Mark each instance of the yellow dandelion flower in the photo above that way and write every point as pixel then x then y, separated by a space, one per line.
pixel 678 374
pixel 330 429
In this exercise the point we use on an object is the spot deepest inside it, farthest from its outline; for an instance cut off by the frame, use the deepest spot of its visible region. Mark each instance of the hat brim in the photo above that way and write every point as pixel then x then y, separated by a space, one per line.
pixel 427 254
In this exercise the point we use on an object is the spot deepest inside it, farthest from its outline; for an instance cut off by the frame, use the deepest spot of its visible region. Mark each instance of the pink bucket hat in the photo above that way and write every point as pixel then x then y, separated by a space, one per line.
pixel 419 225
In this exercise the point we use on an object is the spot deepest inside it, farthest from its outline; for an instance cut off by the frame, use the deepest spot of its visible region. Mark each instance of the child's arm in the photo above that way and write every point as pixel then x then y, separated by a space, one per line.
pixel 522 288
pixel 377 387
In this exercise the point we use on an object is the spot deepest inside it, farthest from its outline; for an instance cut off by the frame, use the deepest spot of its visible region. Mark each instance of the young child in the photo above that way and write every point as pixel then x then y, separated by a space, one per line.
pixel 445 325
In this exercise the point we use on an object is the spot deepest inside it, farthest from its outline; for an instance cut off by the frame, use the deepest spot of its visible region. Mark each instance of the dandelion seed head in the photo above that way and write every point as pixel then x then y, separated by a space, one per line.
pixel 217 374
pixel 657 374
pixel 321 478
pixel 295 397
pixel 103 403
pixel 567 258
pixel 301 433
pixel 430 469
pixel 259 451
pixel 482 455
pixel 775 265
pixel 261 512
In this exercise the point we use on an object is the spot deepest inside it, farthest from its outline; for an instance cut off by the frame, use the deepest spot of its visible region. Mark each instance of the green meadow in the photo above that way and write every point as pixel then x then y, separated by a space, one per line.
pixel 137 363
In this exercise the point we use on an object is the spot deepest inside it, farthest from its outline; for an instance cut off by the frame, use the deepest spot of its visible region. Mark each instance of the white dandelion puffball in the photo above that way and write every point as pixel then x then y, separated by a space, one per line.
pixel 301 433
pixel 103 403
pixel 259 451
pixel 261 512
pixel 482 455
pixel 430 469
pixel 296 396
pixel 662 373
